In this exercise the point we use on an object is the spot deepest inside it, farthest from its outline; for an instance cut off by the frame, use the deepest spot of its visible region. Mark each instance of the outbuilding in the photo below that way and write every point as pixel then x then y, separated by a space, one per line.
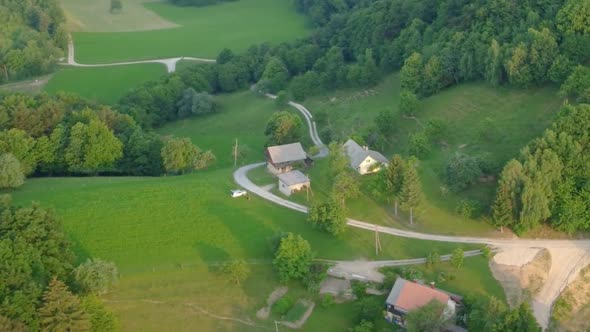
pixel 292 181
pixel 281 158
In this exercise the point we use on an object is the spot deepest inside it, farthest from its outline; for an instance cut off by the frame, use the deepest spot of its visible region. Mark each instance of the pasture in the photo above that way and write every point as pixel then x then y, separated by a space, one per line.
pixel 201 32
pixel 103 84
pixel 95 16
pixel 481 121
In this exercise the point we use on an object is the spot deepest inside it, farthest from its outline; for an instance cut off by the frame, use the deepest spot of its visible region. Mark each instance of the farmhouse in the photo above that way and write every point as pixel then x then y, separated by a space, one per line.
pixel 362 159
pixel 281 158
pixel 407 295
pixel 292 181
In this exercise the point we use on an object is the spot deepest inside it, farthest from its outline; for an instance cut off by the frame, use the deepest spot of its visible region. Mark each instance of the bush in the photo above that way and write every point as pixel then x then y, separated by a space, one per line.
pixel 327 301
pixel 315 277
pixel 467 208
pixel 419 145
pixel 436 130
pixel 359 289
pixel 282 305
pixel 433 259
pixel 462 171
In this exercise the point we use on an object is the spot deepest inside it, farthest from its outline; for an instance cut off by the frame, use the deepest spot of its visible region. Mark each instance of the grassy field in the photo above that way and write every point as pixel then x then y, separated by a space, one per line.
pixel 95 16
pixel 481 120
pixel 104 84
pixel 202 32
pixel 168 235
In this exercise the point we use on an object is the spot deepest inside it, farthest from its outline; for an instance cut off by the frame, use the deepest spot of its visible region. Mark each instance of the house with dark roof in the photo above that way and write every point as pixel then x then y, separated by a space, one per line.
pixel 292 181
pixel 362 159
pixel 281 158
pixel 406 296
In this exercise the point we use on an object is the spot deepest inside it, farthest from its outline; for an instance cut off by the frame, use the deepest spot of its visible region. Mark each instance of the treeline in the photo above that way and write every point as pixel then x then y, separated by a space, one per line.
pixel 551 180
pixel 32 37
pixel 40 289
pixel 66 135
pixel 198 2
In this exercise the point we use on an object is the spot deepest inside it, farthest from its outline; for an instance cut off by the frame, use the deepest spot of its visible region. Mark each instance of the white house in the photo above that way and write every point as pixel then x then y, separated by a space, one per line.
pixel 280 158
pixel 292 181
pixel 362 159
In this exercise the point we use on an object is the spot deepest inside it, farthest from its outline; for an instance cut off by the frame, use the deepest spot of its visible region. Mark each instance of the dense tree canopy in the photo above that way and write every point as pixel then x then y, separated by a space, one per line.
pixel 293 257
pixel 32 37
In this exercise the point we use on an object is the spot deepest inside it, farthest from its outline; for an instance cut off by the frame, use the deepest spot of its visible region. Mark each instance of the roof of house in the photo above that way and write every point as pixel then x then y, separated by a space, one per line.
pixel 357 154
pixel 293 177
pixel 407 295
pixel 279 154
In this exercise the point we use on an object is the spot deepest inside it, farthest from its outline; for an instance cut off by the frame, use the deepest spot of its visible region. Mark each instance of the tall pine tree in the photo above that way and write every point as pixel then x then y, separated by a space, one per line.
pixel 411 191
pixel 394 175
pixel 61 310
pixel 503 210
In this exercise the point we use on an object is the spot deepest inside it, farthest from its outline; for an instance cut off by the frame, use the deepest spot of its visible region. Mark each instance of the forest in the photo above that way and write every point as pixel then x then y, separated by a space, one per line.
pixel 32 38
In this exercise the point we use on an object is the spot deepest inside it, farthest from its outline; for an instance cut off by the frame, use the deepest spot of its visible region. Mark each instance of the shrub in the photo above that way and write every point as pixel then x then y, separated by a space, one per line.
pixel 467 208
pixel 462 171
pixel 327 300
pixel 436 130
pixel 282 305
pixel 419 145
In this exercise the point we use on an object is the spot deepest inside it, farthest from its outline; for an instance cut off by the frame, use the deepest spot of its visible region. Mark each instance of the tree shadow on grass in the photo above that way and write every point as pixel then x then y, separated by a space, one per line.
pixel 213 256
pixel 79 250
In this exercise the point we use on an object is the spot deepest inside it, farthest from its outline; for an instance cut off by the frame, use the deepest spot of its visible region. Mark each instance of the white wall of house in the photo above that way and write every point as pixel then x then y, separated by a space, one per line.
pixel 366 166
pixel 288 190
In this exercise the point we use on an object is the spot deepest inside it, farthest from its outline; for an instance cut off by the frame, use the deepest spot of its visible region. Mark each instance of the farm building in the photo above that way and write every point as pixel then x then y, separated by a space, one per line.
pixel 281 158
pixel 292 181
pixel 407 295
pixel 362 159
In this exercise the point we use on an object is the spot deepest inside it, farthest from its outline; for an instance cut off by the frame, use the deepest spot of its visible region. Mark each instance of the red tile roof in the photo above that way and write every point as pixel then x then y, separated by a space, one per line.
pixel 414 295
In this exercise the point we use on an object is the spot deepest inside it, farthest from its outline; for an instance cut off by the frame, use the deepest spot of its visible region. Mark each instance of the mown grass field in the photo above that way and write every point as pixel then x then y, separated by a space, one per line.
pixel 104 84
pixel 95 16
pixel 201 32
pixel 481 120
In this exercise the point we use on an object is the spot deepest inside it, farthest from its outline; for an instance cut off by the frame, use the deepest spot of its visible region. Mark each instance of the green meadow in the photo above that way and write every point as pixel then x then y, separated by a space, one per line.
pixel 103 84
pixel 481 120
pixel 201 32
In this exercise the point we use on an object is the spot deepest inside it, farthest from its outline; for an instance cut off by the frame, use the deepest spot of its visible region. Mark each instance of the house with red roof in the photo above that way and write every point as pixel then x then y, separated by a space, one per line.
pixel 406 296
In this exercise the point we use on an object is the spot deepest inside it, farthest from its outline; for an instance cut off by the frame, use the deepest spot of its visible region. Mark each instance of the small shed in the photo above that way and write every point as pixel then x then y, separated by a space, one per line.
pixel 281 158
pixel 362 159
pixel 292 181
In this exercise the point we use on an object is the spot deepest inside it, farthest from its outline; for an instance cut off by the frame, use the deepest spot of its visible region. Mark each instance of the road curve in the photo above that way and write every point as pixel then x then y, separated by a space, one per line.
pixel 170 63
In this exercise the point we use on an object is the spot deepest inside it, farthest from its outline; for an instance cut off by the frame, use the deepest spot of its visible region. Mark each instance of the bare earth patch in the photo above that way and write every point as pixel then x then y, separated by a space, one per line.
pixel 521 272
pixel 32 86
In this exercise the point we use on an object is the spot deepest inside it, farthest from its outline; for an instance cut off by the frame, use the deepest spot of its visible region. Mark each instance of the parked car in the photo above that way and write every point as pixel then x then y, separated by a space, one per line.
pixel 238 192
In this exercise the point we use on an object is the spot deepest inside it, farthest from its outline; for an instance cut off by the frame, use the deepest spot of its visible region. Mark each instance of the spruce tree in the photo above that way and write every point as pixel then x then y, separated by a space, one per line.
pixel 394 176
pixel 503 210
pixel 61 310
pixel 411 191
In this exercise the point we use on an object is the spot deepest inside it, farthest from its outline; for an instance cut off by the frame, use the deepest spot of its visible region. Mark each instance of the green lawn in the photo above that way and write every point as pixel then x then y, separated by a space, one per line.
pixel 103 84
pixel 241 116
pixel 481 120
pixel 202 32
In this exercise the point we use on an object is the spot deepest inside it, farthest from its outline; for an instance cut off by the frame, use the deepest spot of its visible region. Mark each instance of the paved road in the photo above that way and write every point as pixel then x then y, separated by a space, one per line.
pixel 570 255
pixel 170 63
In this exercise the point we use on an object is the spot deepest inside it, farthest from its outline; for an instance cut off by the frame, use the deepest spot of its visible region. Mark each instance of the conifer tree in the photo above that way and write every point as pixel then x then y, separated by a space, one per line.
pixel 394 177
pixel 503 210
pixel 61 310
pixel 411 191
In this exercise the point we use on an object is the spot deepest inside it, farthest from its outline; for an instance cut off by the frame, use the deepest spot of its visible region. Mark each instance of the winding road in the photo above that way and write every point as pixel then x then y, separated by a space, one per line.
pixel 170 63
pixel 568 256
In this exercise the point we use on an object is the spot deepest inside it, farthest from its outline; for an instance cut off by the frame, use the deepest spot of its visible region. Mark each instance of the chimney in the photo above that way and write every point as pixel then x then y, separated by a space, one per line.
pixel 432 284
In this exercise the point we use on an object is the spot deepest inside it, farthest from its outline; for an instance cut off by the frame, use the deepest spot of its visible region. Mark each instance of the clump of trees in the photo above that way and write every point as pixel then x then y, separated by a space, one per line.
pixel 36 263
pixel 329 216
pixel 490 314
pixel 550 182
pixel 283 128
pixel 293 257
pixel 33 38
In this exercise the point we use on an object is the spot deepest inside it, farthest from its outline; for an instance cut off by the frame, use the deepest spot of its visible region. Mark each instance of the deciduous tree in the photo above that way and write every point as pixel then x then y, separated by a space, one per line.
pixel 96 276
pixel 283 128
pixel 237 270
pixel 293 257
pixel 11 174
pixel 428 318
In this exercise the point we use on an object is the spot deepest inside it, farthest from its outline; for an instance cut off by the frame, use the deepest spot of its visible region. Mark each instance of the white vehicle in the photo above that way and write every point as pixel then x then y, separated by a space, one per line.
pixel 238 192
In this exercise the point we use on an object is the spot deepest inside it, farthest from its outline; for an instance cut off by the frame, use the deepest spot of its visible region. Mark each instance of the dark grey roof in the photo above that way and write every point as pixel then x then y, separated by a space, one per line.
pixel 286 153
pixel 357 154
pixel 396 291
pixel 293 178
